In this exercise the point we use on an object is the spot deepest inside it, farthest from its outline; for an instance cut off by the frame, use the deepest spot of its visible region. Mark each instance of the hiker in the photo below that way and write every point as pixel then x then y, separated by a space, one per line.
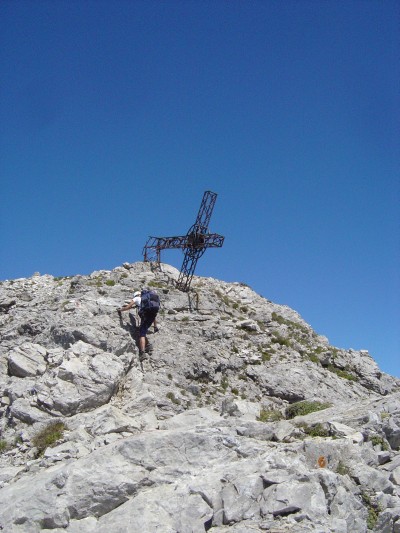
pixel 148 304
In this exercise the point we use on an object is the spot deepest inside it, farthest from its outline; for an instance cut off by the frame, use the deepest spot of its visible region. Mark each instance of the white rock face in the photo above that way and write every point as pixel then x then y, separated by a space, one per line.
pixel 205 436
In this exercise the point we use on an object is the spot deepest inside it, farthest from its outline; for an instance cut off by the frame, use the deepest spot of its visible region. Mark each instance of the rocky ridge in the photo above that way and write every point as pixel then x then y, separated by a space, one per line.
pixel 243 419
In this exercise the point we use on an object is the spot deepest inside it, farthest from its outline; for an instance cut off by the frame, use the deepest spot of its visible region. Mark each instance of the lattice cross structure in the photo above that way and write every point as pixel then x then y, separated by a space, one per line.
pixel 193 244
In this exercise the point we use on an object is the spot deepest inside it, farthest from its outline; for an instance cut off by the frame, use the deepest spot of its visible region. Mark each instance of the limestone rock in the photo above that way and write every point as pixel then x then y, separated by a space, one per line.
pixel 196 439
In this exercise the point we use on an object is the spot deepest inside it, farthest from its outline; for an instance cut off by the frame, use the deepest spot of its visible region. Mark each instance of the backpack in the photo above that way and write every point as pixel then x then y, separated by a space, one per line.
pixel 149 300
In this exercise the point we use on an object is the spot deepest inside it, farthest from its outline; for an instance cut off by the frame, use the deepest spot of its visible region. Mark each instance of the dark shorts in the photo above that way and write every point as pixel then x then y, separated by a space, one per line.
pixel 146 320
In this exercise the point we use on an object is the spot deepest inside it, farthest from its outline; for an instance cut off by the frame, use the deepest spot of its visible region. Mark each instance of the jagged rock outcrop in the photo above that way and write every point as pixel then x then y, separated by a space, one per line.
pixel 219 431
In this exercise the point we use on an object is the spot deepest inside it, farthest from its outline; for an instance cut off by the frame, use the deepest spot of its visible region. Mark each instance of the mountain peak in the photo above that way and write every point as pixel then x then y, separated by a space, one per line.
pixel 243 416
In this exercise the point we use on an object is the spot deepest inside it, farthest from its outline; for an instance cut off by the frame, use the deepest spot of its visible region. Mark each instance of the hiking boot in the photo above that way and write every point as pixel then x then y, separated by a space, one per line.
pixel 142 356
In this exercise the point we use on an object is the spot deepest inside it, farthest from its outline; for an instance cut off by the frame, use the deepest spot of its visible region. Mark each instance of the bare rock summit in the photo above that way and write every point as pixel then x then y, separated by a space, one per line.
pixel 242 419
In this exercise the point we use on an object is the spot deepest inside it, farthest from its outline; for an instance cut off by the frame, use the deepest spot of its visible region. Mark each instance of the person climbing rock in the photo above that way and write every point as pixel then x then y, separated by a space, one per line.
pixel 148 303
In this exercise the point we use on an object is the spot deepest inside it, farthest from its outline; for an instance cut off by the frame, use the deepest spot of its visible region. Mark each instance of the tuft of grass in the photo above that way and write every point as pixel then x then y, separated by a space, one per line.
pixel 304 408
pixel 110 283
pixel 48 436
pixel 3 445
pixel 269 415
pixel 171 396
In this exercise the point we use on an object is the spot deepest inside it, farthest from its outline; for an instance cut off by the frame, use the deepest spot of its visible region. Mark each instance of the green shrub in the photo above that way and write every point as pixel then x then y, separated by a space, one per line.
pixel 304 408
pixel 269 415
pixel 234 391
pixel 3 445
pixel 110 283
pixel 48 436
pixel 315 430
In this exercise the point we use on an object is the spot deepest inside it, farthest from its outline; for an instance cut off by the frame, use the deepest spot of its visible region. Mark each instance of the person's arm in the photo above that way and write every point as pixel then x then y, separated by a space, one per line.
pixel 128 306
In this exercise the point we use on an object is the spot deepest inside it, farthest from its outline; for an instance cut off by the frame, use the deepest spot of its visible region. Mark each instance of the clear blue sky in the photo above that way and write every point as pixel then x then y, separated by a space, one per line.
pixel 116 116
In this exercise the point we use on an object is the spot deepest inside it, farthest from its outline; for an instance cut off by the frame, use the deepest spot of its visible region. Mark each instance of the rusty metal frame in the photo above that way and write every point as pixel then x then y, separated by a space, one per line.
pixel 194 243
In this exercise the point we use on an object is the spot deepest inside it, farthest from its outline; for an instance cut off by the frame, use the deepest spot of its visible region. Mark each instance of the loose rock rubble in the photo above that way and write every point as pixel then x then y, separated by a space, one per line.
pixel 218 431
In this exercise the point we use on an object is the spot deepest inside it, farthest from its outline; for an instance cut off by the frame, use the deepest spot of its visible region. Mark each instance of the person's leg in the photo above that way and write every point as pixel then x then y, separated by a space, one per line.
pixel 146 321
pixel 142 344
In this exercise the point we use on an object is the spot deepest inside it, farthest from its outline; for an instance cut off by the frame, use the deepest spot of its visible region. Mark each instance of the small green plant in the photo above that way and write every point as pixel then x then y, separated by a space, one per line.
pixel 283 321
pixel 244 309
pixel 3 445
pixel 304 408
pixel 379 441
pixel 315 430
pixel 373 509
pixel 342 469
pixel 342 373
pixel 313 358
pixel 384 415
pixel 185 319
pixel 171 396
pixel 224 383
pixel 235 349
pixel 110 283
pixel 234 391
pixel 283 341
pixel 269 415
pixel 266 356
pixel 156 284
pixel 48 436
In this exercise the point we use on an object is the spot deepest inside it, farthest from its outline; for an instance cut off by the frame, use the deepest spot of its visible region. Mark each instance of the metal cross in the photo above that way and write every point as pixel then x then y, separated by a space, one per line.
pixel 194 243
